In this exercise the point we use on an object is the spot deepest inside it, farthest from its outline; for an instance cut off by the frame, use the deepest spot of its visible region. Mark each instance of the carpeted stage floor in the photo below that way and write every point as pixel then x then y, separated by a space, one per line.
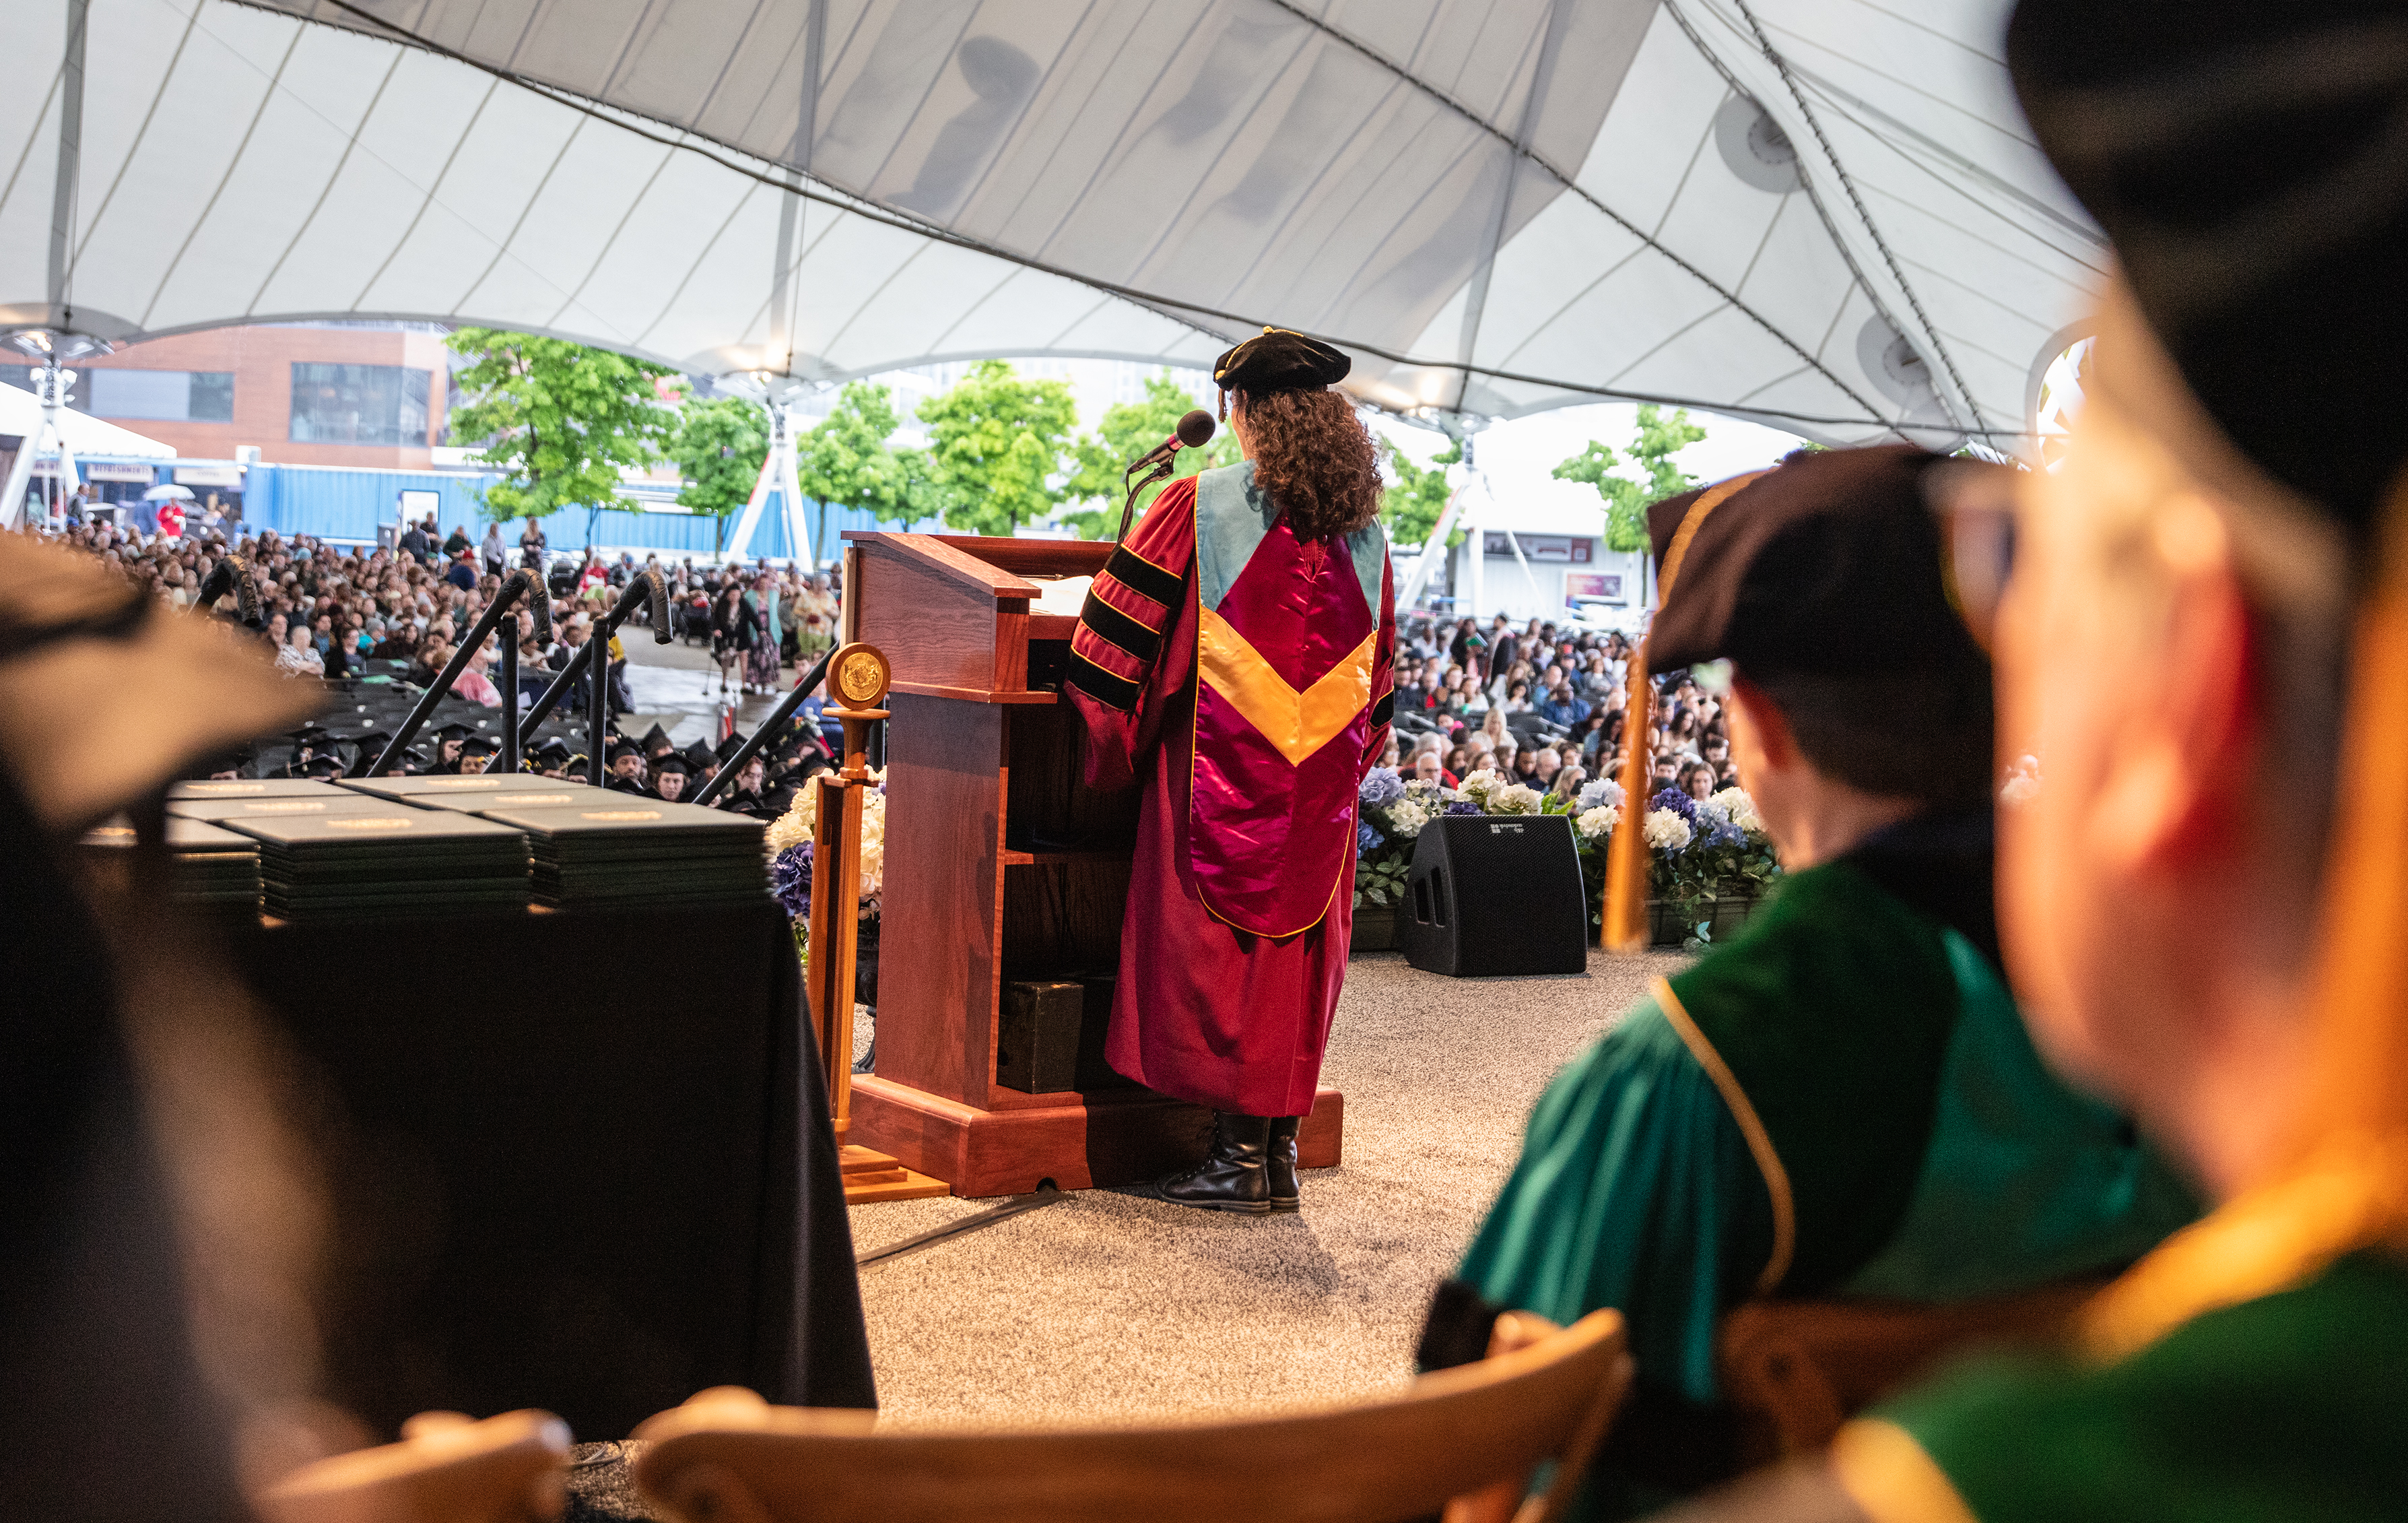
pixel 1104 1308
pixel 1101 1307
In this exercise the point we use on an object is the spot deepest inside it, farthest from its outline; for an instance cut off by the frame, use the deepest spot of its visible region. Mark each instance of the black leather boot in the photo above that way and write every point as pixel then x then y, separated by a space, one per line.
pixel 1279 1167
pixel 1231 1177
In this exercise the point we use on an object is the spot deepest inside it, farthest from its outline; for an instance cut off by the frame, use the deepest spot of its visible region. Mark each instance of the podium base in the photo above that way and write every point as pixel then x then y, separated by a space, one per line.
pixel 1113 1137
pixel 870 1175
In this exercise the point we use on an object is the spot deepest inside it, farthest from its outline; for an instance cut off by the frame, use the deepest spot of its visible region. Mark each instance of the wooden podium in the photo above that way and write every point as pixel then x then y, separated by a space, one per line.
pixel 1000 865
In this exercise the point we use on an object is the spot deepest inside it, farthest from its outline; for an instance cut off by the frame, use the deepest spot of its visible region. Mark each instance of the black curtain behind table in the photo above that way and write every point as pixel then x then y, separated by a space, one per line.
pixel 580 1161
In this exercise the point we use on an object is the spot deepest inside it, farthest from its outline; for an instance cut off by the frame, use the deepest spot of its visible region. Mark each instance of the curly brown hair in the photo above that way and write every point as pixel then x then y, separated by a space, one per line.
pixel 1315 459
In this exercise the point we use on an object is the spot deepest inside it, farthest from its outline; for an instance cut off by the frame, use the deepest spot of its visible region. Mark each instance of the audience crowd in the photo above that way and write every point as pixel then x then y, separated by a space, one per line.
pixel 1544 706
pixel 332 611
pixel 1540 704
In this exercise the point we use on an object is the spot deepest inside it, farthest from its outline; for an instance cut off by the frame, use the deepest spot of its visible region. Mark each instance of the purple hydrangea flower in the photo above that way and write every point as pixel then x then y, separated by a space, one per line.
pixel 1679 803
pixel 1366 838
pixel 1464 806
pixel 790 879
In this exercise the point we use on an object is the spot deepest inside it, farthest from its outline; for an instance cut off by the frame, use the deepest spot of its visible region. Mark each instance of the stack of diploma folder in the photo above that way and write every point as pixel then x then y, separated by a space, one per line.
pixel 207 867
pixel 623 851
pixel 397 862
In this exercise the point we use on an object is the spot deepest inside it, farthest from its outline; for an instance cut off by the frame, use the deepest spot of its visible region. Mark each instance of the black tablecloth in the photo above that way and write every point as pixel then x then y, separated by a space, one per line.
pixel 580 1162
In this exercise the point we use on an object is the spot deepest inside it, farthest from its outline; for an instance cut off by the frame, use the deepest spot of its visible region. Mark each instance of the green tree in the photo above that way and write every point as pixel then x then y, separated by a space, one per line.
pixel 845 459
pixel 995 447
pixel 558 420
pixel 719 448
pixel 1410 508
pixel 1128 430
pixel 1657 439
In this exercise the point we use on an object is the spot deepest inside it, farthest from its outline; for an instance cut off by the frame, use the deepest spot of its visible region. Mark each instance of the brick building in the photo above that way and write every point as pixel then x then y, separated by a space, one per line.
pixel 354 393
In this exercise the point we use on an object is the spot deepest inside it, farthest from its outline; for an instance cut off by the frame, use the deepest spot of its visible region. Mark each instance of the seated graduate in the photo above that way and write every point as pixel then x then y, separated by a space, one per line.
pixel 2204 898
pixel 1841 1100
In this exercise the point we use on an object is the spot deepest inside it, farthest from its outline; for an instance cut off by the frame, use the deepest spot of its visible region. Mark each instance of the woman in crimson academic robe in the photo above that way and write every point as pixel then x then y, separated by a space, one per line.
pixel 1233 659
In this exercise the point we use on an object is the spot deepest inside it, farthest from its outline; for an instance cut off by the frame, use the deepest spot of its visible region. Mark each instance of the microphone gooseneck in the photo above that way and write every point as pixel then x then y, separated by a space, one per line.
pixel 232 574
pixel 645 586
pixel 1194 432
pixel 513 587
pixel 769 726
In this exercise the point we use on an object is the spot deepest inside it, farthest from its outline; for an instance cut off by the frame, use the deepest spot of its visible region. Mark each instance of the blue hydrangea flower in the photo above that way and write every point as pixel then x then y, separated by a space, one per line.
pixel 1367 838
pixel 1599 790
pixel 1381 786
pixel 790 879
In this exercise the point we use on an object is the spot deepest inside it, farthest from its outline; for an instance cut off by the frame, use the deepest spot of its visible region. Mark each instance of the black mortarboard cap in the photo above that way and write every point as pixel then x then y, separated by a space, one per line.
pixel 619 749
pixel 2247 162
pixel 1828 564
pixel 729 747
pixel 655 739
pixel 455 732
pixel 552 747
pixel 671 763
pixel 1277 360
pixel 479 745
pixel 700 756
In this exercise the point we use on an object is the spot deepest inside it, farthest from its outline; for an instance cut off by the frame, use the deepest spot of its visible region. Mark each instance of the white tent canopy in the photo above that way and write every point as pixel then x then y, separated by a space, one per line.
pixel 21 415
pixel 1827 214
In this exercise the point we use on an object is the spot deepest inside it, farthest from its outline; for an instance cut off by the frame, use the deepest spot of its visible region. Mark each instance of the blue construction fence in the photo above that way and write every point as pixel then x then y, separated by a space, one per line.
pixel 346 504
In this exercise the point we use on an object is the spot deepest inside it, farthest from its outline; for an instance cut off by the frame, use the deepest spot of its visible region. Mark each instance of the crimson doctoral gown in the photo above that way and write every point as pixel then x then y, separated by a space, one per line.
pixel 1244 679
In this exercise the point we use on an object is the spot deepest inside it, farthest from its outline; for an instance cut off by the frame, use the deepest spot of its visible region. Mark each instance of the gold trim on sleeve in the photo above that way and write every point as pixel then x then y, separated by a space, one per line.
pixel 1885 1472
pixel 1751 1126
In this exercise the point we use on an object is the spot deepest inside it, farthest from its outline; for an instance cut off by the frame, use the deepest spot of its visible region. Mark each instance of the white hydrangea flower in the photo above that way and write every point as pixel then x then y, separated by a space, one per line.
pixel 1599 821
pixel 1737 807
pixel 1406 817
pixel 1516 800
pixel 1424 787
pixel 799 822
pixel 1664 830
pixel 1476 786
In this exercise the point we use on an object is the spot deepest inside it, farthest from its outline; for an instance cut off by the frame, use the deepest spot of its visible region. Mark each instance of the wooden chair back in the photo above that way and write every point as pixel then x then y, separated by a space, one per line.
pixel 726 1457
pixel 447 1469
pixel 1797 1369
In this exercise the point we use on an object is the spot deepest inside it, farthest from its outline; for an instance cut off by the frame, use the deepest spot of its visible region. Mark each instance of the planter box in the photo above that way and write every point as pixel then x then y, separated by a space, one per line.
pixel 1723 918
pixel 1375 928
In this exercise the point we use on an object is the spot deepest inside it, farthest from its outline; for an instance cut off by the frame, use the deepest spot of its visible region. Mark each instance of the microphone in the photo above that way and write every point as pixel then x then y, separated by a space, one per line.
pixel 1194 432
pixel 537 603
pixel 232 574
pixel 645 586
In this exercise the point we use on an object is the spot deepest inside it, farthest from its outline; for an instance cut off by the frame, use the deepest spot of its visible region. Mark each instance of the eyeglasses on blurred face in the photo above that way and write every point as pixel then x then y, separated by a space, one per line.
pixel 1974 502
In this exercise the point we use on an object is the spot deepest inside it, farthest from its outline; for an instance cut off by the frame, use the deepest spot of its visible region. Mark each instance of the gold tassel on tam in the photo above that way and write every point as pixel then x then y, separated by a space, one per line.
pixel 1626 855
pixel 2343 1184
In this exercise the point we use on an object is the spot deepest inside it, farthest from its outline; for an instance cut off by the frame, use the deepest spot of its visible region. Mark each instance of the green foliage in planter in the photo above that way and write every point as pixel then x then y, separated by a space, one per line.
pixel 1380 876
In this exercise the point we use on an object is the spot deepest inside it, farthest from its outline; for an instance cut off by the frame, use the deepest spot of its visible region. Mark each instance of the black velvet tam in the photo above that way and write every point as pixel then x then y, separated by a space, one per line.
pixel 2250 163
pixel 1828 564
pixel 1280 361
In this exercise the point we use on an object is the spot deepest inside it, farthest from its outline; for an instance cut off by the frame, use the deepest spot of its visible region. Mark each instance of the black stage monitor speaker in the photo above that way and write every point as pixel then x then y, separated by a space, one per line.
pixel 1495 896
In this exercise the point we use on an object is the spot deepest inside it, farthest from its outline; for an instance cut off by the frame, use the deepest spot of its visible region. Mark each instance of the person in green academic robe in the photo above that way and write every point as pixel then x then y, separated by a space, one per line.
pixel 1841 1101
pixel 2206 628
